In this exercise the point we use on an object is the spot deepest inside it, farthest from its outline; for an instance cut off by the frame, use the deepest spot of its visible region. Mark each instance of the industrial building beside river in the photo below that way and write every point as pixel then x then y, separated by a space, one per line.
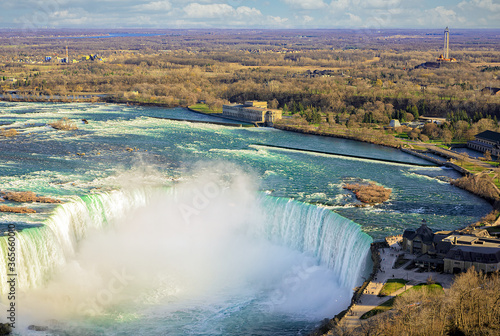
pixel 253 111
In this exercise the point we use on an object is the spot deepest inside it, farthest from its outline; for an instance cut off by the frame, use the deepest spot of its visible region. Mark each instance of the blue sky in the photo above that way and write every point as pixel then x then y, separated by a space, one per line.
pixel 373 14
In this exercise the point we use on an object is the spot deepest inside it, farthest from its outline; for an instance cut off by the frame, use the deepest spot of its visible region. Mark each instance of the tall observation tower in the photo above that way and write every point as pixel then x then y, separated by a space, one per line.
pixel 445 56
pixel 446 49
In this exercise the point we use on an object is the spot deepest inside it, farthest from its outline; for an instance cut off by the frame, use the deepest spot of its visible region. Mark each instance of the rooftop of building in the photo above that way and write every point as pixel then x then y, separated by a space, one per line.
pixel 484 254
pixel 252 108
pixel 489 135
pixel 424 232
pixel 476 241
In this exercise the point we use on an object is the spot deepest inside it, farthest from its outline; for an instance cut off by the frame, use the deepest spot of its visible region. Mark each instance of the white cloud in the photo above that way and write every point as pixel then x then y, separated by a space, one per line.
pixel 75 16
pixel 306 4
pixel 357 4
pixel 339 4
pixel 388 4
pixel 276 20
pixel 196 10
pixel 154 6
pixel 354 19
pixel 487 4
pixel 210 11
pixel 247 11
pixel 308 18
pixel 440 16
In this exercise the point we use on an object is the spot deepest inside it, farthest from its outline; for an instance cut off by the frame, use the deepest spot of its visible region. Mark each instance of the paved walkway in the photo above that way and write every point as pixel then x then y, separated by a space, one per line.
pixel 370 300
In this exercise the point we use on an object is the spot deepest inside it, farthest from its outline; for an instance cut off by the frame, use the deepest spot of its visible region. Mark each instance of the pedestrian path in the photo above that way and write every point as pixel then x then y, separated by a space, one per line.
pixel 369 298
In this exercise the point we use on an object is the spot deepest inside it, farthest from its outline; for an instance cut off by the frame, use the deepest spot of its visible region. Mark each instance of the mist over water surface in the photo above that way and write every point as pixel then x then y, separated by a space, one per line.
pixel 208 248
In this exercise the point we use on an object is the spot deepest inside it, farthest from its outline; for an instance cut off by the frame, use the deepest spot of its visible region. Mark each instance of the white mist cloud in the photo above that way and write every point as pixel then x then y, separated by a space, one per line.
pixel 201 241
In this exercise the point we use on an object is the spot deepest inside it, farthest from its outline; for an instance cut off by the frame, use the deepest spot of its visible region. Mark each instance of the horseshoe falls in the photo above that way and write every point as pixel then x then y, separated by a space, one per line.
pixel 170 227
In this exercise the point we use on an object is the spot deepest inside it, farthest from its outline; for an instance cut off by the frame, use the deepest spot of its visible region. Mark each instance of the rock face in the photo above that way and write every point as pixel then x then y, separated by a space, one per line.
pixel 6 208
pixel 5 329
pixel 23 197
pixel 27 196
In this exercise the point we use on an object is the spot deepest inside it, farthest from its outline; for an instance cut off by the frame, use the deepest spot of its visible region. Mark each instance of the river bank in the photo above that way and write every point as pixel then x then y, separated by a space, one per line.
pixel 334 135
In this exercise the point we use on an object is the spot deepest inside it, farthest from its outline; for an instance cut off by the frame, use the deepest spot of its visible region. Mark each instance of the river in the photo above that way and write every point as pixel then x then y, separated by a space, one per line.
pixel 174 227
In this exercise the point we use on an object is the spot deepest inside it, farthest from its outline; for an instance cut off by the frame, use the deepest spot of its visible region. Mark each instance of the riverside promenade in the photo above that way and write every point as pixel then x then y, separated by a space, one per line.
pixel 370 300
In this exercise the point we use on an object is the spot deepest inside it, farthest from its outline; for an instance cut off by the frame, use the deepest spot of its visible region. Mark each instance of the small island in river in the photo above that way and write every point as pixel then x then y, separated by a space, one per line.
pixel 369 193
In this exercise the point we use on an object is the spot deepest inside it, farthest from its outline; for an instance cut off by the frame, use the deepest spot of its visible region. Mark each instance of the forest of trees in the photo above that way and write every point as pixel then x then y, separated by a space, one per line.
pixel 470 307
pixel 367 82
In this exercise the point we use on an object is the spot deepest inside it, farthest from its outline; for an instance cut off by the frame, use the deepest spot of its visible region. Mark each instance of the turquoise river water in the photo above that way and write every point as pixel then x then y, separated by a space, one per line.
pixel 179 228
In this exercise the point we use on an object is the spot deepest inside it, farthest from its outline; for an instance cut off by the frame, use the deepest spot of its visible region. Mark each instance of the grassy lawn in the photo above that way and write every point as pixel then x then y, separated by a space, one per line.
pixel 391 286
pixel 204 108
pixel 387 305
pixel 434 289
pixel 419 148
pixel 470 166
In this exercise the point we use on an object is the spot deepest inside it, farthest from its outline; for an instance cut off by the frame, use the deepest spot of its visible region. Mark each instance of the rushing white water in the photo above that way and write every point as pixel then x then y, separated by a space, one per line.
pixel 197 245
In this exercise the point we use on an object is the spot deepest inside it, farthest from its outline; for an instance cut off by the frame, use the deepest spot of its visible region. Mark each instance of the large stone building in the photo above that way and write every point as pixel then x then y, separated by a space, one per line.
pixel 253 111
pixel 418 241
pixel 486 141
pixel 453 252
pixel 463 252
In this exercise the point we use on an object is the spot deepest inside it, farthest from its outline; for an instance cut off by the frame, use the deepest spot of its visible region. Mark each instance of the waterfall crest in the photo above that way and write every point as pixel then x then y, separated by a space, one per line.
pixel 330 238
pixel 40 250
pixel 334 240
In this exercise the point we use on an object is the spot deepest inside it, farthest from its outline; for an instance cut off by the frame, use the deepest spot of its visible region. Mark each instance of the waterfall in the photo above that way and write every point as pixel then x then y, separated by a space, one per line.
pixel 334 240
pixel 40 250
pixel 330 238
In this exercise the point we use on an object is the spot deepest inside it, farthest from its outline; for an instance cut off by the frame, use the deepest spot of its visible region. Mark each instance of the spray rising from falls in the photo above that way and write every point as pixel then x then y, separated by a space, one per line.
pixel 194 245
pixel 41 250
